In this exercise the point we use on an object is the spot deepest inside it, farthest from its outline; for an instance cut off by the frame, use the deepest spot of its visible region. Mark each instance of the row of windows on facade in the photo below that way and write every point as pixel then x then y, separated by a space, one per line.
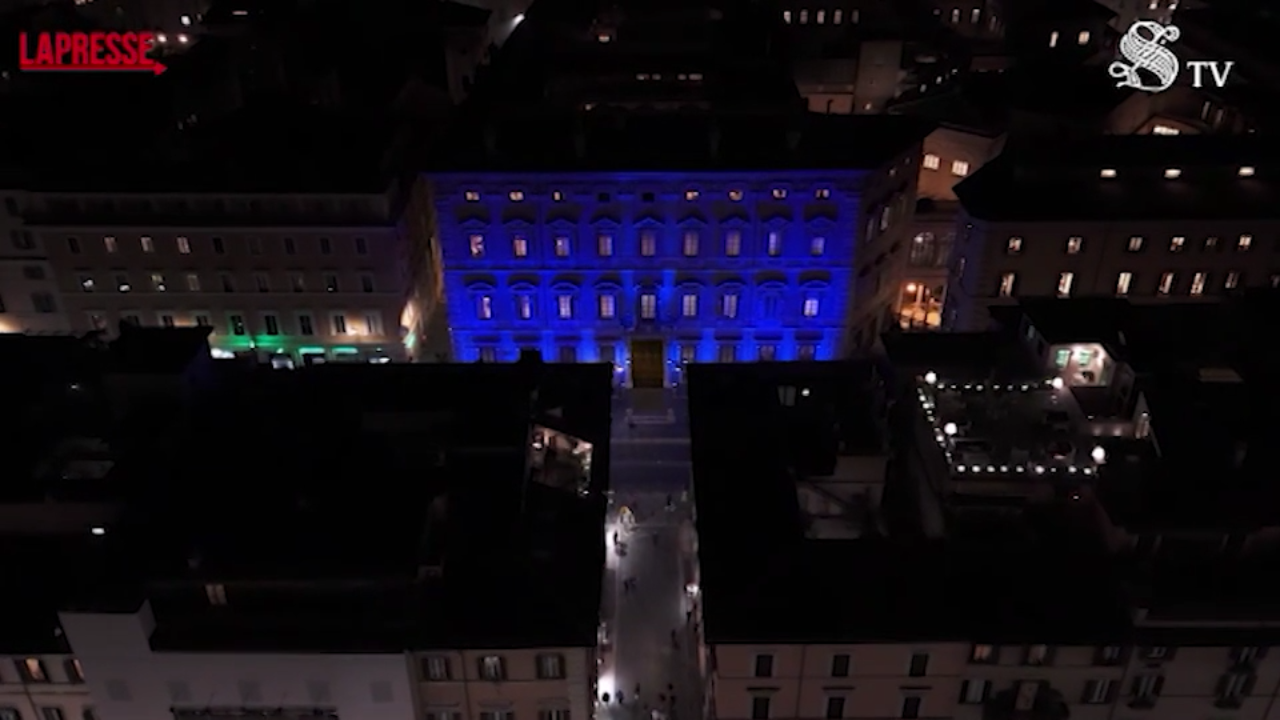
pixel 546 666
pixel 681 77
pixel 181 206
pixel 959 168
pixel 270 324
pixel 725 353
pixel 820 16
pixel 690 246
pixel 183 245
pixel 646 306
pixel 226 282
pixel 543 714
pixel 43 303
pixel 690 195
pixel 975 17
pixel 32 670
pixel 1166 284
pixel 1082 38
pixel 1173 173
pixel 1075 244
pixel 47 712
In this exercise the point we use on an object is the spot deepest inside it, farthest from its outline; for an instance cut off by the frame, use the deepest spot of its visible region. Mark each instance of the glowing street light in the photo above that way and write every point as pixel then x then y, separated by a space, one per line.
pixel 931 377
pixel 950 429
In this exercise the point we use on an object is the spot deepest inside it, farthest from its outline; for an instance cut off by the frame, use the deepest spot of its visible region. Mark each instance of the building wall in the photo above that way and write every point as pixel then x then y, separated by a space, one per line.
pixel 466 694
pixel 792 302
pixel 951 155
pixel 130 682
pixel 336 266
pixel 29 299
pixel 1214 248
pixel 58 684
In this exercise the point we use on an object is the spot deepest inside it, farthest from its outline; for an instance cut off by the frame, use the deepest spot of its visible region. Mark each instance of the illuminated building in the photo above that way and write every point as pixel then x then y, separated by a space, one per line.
pixel 591 247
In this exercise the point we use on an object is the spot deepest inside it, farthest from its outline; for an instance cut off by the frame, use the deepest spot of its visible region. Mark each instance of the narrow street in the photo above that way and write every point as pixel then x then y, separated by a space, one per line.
pixel 648 609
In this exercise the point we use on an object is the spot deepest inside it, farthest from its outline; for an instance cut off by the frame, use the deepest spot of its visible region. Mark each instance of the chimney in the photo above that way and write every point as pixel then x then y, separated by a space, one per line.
pixel 490 140
pixel 793 139
pixel 713 137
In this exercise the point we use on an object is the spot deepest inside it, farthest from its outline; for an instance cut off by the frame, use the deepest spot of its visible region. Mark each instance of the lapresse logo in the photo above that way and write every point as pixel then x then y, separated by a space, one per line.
pixel 1152 67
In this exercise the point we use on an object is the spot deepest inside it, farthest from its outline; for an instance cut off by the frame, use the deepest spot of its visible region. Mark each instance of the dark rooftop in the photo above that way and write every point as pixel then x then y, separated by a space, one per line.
pixel 658 142
pixel 1050 182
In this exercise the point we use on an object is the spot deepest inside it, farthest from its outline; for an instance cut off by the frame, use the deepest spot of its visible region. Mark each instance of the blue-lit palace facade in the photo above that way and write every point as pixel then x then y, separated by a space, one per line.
pixel 648 271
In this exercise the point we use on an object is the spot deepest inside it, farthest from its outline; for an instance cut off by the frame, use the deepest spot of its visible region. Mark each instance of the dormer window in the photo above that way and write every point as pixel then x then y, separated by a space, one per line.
pixel 515 196
pixel 472 196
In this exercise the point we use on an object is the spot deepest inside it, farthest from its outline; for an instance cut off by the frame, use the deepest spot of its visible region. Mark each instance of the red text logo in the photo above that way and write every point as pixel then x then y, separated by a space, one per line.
pixel 87 52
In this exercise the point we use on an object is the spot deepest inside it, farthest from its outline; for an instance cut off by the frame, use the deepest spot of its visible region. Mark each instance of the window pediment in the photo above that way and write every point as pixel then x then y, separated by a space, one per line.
pixel 736 220
pixel 604 223
pixel 605 218
pixel 607 287
pixel 777 220
pixel 473 225
pixel 518 225
pixel 523 287
pixel 690 286
pixel 692 220
pixel 773 286
pixel 823 215
pixel 479 286
pixel 565 286
pixel 561 225
pixel 648 219
pixel 816 285
pixel 821 223
pixel 734 285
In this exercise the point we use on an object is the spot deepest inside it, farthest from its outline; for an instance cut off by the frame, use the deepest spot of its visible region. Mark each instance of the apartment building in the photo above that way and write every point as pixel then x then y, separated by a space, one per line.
pixel 1153 219
pixel 313 601
pixel 599 246
pixel 1110 575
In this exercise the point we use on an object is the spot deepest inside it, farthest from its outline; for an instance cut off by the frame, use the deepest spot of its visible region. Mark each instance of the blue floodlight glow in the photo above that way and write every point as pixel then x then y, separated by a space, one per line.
pixel 708 267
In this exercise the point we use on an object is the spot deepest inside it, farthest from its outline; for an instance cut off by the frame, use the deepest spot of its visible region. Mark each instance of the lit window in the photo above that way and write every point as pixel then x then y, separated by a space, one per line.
pixel 1007 282
pixel 472 196
pixel 157 282
pixel 732 243
pixel 735 195
pixel 148 245
pixel 185 20
pixel 520 246
pixel 779 193
pixel 691 195
pixel 1164 130
pixel 515 196
pixel 193 282
pixel 786 16
pixel 931 161
pixel 1107 173
pixel 1082 38
pixel 1123 281
pixel 690 243
pixel 1135 243
pixel 817 246
pixel 1246 171
pixel 1177 243
pixel 1064 283
pixel 1232 281
pixel 975 16
pixel 804 17
pixel 689 305
pixel 1197 283
pixel 562 246
pixel 484 307
pixel 775 244
pixel 837 17
pixel 960 168
pixel 1165 285
pixel 87 284
pixel 557 196
pixel 184 246
pixel 1074 244
pixel 607 307
pixel 811 307
pixel 648 306
pixel 477 246
pixel 729 305
pixel 1053 39
pixel 648 243
pixel 564 306
pixel 1244 243
pixel 1014 246
pixel 820 17
pixel 604 245
pixel 1210 243
pixel 822 193
pixel 1172 173
pixel 955 15
pixel 33 669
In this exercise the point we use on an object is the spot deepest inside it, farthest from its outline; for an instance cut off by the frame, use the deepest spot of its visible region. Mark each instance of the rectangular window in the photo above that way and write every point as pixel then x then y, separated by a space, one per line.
pixel 305 324
pixel 73 245
pixel 339 324
pixel 919 666
pixel 1065 281
pixel 1165 285
pixel 981 654
pixel 148 245
pixel 493 667
pixel 648 306
pixel 184 246
pixel 524 307
pixel 1008 283
pixel 484 307
pixel 237 326
pixel 262 282
pixel 564 306
pixel 689 305
pixel 1074 245
pixel 51 713
pixel 436 667
pixel 44 303
pixel 648 243
pixel 1123 281
pixel 270 325
pixel 732 243
pixel 764 666
pixel 255 246
pixel 122 283
pixel 157 282
pixel 835 707
pixel 562 246
pixel 688 353
pixel 362 246
pixel 567 354
pixel 326 247
pixel 290 247
pixel 1232 281
pixel 1036 655
pixel 911 707
pixel 1197 283
pixel 604 245
pixel 959 168
pixel 974 692
pixel 840 665
pixel 166 320
pixel 807 351
pixel 811 307
pixel 690 243
pixel 931 162
pixel 774 246
pixel 331 283
pixel 1014 246
pixel 193 282
pixel 366 283
pixel 550 666
pixel 767 353
pixel 727 353
pixel 219 247
pixel 817 246
pixel 729 305
pixel 1098 692
pixel 1244 243
pixel 1177 244
pixel 476 245
pixel 608 307
pixel 520 246
pixel 1135 243
pixel 553 714
pixel 87 283
pixel 489 354
pixel 203 321
pixel 760 707
pixel 297 282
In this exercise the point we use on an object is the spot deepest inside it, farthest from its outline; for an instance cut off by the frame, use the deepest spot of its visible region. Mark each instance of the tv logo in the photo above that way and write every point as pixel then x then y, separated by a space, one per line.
pixel 1151 67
